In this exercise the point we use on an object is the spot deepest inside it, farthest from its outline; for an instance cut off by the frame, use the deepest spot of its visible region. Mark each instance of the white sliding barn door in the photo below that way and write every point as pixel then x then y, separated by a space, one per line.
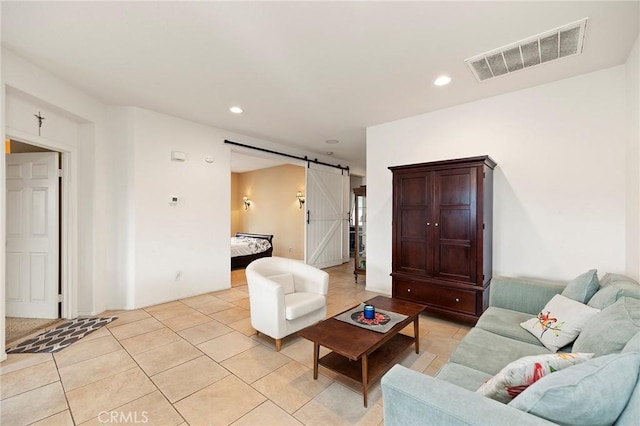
pixel 327 204
pixel 32 235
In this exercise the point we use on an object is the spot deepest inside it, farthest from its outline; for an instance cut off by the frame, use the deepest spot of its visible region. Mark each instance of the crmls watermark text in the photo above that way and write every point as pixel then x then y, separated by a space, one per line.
pixel 123 417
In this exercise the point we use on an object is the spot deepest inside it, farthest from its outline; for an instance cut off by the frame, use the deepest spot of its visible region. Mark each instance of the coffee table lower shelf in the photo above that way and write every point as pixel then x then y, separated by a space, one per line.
pixel 378 362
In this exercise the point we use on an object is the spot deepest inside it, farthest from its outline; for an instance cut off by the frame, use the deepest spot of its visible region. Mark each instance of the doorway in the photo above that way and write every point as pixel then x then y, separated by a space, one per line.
pixel 33 245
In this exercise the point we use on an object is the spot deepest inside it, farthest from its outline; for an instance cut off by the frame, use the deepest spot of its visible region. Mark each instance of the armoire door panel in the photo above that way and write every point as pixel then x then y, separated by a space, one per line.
pixel 413 223
pixel 413 256
pixel 454 187
pixel 455 261
pixel 412 191
pixel 455 224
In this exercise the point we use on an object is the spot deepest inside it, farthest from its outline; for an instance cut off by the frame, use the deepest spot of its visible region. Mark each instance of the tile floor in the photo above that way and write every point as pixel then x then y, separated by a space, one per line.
pixel 198 361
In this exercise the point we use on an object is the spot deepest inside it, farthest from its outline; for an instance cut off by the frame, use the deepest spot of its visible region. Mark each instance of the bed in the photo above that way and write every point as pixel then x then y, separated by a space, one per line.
pixel 245 248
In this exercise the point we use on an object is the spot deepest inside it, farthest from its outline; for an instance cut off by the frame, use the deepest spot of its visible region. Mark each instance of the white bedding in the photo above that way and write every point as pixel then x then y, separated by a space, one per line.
pixel 242 246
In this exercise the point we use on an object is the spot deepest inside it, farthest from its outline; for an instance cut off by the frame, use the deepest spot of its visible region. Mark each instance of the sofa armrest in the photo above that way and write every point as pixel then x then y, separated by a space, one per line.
pixel 523 294
pixel 412 398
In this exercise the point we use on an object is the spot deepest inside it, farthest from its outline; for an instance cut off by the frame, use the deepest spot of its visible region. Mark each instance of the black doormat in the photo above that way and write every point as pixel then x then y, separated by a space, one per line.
pixel 60 337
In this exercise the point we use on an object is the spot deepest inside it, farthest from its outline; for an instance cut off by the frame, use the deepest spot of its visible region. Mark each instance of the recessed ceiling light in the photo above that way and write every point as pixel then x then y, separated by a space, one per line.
pixel 236 110
pixel 443 80
pixel 332 141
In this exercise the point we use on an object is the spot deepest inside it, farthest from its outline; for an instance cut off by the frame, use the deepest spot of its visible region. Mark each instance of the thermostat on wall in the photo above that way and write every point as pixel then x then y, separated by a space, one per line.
pixel 174 199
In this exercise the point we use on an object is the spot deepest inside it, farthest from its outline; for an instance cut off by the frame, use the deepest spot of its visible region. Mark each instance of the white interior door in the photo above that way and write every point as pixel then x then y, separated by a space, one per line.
pixel 32 235
pixel 327 203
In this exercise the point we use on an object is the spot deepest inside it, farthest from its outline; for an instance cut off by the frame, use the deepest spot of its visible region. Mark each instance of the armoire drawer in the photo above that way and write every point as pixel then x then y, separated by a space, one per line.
pixel 437 296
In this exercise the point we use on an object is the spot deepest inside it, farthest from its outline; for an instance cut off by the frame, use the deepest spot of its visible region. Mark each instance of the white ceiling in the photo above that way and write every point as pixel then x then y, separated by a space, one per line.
pixel 304 72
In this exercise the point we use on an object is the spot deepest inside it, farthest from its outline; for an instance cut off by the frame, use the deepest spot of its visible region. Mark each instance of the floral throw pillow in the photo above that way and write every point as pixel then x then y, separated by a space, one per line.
pixel 521 373
pixel 559 322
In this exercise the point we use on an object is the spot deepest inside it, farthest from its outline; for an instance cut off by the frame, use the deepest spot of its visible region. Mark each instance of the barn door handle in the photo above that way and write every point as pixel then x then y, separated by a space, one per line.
pixel 307 217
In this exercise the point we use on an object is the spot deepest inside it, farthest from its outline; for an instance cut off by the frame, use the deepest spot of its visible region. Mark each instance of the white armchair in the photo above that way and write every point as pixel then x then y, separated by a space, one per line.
pixel 285 295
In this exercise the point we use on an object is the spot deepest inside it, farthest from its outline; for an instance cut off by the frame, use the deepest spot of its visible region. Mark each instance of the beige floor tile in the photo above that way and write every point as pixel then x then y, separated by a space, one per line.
pixel 198 300
pixel 94 369
pixel 442 346
pixel 255 363
pixel 185 379
pixel 167 356
pixel 151 409
pixel 418 362
pixel 267 414
pixel 104 395
pixel 33 406
pixel 243 326
pixel 169 310
pixel 231 294
pixel 135 328
pixel 148 341
pixel 226 346
pixel 17 361
pixel 231 315
pixel 28 378
pixel 186 320
pixel 243 303
pixel 213 305
pixel 203 332
pixel 221 403
pixel 302 351
pixel 60 419
pixel 291 386
pixel 125 317
pixel 337 405
pixel 86 349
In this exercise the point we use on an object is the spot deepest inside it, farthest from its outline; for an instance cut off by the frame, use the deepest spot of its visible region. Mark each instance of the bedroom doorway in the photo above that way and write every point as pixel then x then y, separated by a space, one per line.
pixel 270 184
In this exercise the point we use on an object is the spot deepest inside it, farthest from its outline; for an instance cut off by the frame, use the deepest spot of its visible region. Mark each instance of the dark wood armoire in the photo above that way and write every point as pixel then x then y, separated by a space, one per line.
pixel 442 235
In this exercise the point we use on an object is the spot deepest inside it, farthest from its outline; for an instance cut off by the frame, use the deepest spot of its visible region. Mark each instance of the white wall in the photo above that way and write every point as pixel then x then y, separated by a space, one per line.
pixel 559 188
pixel 633 162
pixel 193 236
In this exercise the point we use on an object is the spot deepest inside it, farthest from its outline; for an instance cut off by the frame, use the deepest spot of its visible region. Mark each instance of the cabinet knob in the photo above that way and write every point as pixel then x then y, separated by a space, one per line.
pixel 436 224
pixel 408 290
pixel 457 299
pixel 428 224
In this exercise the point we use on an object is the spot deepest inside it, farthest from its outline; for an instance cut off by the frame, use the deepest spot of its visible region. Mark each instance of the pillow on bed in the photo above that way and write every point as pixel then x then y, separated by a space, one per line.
pixel 286 281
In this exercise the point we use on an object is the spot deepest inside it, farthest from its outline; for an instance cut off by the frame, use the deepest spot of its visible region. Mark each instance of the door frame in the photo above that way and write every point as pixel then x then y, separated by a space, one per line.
pixel 68 217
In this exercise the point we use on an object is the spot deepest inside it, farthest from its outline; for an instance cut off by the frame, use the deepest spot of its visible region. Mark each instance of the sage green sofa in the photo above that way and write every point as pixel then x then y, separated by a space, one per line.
pixel 603 390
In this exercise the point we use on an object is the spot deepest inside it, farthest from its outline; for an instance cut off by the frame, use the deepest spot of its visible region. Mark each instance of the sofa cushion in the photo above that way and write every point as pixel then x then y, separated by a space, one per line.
pixel 633 345
pixel 516 376
pixel 597 390
pixel 463 376
pixel 631 412
pixel 560 322
pixel 300 304
pixel 609 330
pixel 488 352
pixel 612 288
pixel 506 322
pixel 285 280
pixel 582 287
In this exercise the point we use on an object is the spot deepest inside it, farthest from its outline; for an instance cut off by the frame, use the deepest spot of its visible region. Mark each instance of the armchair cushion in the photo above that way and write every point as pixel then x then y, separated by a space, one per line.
pixel 301 304
pixel 582 287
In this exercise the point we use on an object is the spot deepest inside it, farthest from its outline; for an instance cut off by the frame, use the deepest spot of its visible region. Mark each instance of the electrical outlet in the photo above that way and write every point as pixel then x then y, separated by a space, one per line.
pixel 290 249
pixel 178 275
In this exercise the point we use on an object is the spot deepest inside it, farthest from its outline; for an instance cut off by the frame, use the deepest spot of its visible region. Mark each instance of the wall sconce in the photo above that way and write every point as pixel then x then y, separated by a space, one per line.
pixel 300 198
pixel 246 201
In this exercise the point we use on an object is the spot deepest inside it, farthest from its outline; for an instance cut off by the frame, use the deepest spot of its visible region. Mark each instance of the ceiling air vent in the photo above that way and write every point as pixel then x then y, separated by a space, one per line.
pixel 549 46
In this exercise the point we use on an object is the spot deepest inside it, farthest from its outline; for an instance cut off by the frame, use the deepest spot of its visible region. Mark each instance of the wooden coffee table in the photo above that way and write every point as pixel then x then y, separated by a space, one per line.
pixel 360 354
